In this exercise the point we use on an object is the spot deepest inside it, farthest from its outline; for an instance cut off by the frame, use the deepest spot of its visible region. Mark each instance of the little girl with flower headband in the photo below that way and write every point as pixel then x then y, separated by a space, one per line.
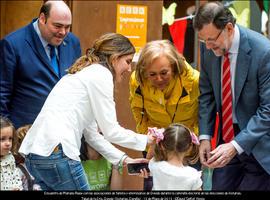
pixel 169 167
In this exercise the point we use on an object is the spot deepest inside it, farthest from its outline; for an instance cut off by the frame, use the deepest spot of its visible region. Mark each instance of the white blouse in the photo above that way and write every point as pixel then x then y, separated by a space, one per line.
pixel 76 105
pixel 170 177
pixel 10 176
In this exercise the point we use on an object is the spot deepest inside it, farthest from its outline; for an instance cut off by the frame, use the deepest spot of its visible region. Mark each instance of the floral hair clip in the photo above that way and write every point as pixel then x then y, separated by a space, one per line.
pixel 194 138
pixel 157 133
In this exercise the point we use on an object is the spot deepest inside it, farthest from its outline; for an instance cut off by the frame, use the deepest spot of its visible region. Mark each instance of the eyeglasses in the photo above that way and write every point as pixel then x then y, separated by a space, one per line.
pixel 210 40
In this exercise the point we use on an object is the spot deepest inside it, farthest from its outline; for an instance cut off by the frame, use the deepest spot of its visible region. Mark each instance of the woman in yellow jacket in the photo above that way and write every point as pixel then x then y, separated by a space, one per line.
pixel 164 89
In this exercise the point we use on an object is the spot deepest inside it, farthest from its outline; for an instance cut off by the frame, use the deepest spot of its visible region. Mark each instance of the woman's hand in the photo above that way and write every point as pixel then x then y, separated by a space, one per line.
pixel 155 134
pixel 138 166
pixel 150 139
pixel 134 160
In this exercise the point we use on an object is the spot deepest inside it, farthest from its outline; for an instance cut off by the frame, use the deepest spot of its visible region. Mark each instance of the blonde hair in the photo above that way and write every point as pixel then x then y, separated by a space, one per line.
pixel 104 50
pixel 153 50
pixel 177 139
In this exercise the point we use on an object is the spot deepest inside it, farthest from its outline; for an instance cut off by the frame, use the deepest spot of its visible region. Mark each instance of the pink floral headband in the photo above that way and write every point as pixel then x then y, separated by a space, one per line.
pixel 194 138
pixel 158 133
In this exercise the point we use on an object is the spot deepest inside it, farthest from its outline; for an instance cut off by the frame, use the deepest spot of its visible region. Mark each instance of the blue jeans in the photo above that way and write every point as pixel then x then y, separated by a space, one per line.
pixel 57 171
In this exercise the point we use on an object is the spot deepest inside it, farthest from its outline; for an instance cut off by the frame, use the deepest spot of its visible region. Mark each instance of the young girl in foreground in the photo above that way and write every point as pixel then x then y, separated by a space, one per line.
pixel 10 178
pixel 169 167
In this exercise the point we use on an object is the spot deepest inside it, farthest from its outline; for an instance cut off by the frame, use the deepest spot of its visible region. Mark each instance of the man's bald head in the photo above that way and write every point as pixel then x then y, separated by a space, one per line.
pixel 54 6
pixel 54 21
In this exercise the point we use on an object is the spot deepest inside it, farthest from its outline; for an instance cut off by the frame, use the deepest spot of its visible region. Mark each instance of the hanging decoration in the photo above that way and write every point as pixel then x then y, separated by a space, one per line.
pixel 266 5
pixel 265 18
pixel 178 31
pixel 168 14
pixel 241 11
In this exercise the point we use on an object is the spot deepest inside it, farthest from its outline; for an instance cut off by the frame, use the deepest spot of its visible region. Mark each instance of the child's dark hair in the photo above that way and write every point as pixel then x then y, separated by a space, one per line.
pixel 177 138
pixel 4 123
pixel 21 133
pixel 85 152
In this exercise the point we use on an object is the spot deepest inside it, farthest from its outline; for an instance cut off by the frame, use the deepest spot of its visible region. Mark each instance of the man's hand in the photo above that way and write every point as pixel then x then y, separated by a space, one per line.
pixel 221 156
pixel 204 153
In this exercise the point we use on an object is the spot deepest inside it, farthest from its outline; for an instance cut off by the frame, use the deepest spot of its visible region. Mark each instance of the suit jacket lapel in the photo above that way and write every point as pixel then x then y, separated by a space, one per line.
pixel 216 77
pixel 242 64
pixel 36 45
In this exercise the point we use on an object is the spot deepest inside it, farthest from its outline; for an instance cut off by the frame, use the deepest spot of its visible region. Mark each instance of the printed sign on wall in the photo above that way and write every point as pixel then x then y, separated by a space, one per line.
pixel 132 23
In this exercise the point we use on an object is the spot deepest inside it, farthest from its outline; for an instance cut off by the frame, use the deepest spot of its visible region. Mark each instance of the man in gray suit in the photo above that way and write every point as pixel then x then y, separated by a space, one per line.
pixel 243 161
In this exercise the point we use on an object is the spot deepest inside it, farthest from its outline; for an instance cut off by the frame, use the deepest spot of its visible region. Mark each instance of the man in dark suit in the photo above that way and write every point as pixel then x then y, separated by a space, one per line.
pixel 241 99
pixel 27 71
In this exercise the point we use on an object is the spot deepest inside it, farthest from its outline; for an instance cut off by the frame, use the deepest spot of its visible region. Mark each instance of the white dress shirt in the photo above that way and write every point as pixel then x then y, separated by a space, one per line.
pixel 76 105
pixel 43 41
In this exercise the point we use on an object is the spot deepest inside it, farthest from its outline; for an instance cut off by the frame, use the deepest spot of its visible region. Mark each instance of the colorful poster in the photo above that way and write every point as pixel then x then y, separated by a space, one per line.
pixel 132 23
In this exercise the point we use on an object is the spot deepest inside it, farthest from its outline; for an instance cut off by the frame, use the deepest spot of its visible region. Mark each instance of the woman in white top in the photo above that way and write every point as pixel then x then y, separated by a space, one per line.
pixel 176 147
pixel 81 102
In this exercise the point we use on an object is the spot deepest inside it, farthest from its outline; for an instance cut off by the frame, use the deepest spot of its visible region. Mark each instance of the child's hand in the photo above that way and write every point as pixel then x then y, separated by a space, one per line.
pixel 139 169
pixel 144 173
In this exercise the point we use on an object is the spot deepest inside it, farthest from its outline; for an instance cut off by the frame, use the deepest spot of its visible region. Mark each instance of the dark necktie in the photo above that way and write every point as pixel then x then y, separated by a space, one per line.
pixel 54 61
pixel 227 122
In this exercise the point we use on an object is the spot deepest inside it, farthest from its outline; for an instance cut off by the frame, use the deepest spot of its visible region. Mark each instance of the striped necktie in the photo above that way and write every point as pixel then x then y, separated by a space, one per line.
pixel 227 121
